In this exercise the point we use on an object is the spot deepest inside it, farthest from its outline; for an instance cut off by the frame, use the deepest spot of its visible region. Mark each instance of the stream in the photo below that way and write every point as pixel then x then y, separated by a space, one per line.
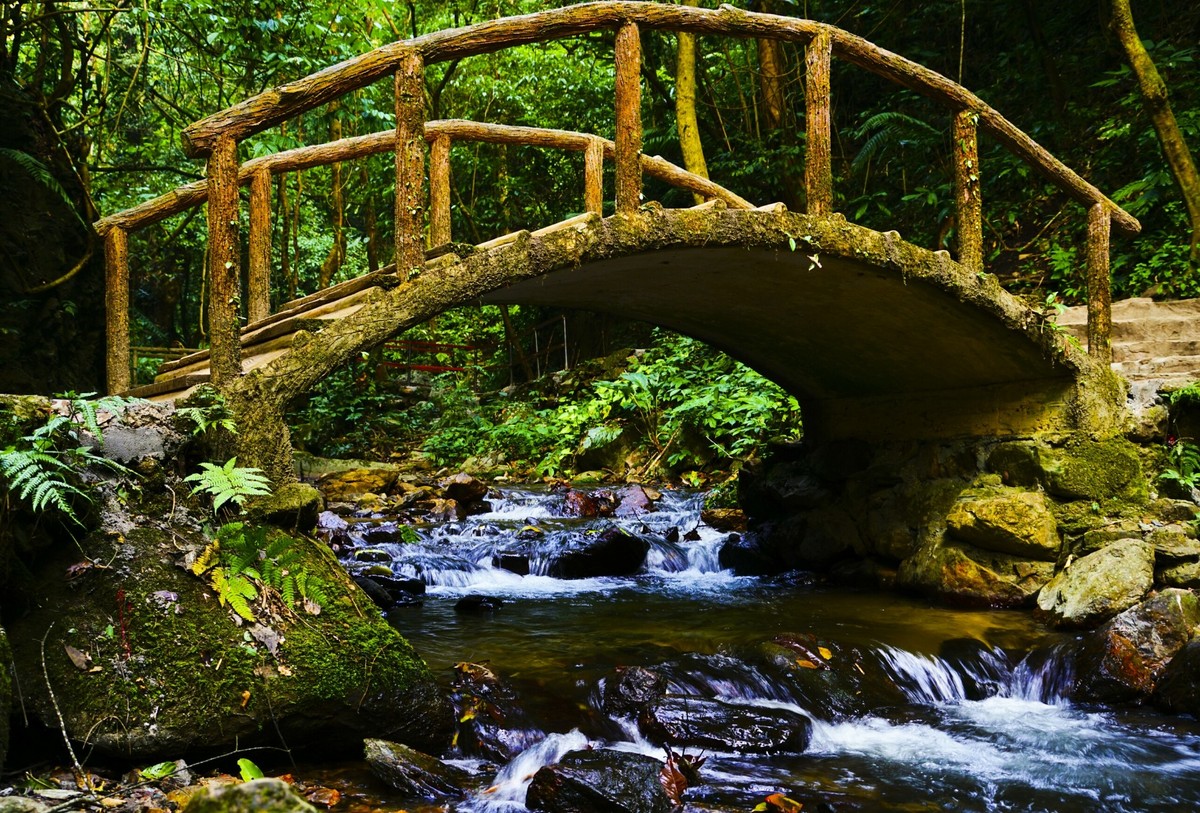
pixel 954 709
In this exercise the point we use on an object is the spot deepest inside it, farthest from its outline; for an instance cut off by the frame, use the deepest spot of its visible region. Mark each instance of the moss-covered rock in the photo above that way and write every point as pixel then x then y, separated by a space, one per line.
pixel 1099 585
pixel 1079 469
pixel 970 576
pixel 1009 521
pixel 160 667
pixel 292 505
pixel 20 414
pixel 1181 574
pixel 257 796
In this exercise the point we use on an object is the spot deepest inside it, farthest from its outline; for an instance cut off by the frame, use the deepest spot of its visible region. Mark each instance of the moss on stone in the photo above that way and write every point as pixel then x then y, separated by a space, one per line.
pixel 1085 469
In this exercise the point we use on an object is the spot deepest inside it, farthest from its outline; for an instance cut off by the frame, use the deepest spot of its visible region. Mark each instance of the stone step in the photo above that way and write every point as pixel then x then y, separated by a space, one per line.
pixel 1151 349
pixel 1128 310
pixel 1171 368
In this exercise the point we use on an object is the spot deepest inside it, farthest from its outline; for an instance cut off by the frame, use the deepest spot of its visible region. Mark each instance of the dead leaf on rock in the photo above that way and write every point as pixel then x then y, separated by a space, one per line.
pixel 325 797
pixel 82 660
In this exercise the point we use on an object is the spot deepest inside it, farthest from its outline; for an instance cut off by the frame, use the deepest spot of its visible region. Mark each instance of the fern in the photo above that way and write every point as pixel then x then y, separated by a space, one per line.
pixel 235 591
pixel 41 173
pixel 246 556
pixel 229 483
pixel 887 129
pixel 207 410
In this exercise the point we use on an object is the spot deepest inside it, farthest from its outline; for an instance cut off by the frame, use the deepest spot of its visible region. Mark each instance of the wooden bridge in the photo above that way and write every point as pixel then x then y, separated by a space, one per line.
pixel 769 286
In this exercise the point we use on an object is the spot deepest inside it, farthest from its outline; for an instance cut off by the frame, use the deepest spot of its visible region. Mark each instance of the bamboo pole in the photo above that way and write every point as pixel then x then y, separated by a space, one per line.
pixel 116 305
pixel 223 259
pixel 968 203
pixel 439 192
pixel 1099 284
pixel 410 164
pixel 258 300
pixel 818 161
pixel 593 176
pixel 629 118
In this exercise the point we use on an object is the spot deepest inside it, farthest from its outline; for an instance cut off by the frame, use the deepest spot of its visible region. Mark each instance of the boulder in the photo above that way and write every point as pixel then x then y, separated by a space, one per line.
pixel 161 667
pixel 599 781
pixel 464 488
pixel 294 506
pixel 579 504
pixel 633 501
pixel 965 575
pixel 414 773
pixel 700 722
pixel 1099 585
pixel 256 796
pixel 614 552
pixel 1123 660
pixel 344 485
pixel 1078 470
pixel 492 723
pixel 1010 521
pixel 632 690
pixel 1174 543
pixel 724 519
pixel 1178 687
pixel 745 556
pixel 1184 574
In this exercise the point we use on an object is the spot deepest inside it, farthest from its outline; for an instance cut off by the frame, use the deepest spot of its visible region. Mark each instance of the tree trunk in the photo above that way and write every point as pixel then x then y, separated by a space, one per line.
pixel 337 205
pixel 685 106
pixel 1154 97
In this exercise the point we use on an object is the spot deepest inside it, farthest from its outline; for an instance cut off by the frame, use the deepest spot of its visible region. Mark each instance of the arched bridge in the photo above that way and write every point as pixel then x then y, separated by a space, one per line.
pixel 875 336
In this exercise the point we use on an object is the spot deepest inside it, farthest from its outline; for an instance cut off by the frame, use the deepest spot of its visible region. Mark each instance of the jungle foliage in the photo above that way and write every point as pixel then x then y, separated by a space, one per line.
pixel 119 80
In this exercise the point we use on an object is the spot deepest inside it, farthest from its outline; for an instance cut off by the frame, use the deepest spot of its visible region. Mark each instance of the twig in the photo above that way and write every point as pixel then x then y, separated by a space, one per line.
pixel 62 725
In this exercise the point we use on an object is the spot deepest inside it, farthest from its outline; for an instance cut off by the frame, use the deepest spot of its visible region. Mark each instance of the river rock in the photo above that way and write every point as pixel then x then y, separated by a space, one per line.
pixel 633 501
pixel 724 519
pixel 579 504
pixel 1010 521
pixel 745 555
pixel 345 485
pixel 170 669
pixel 464 488
pixel 614 552
pixel 1178 687
pixel 292 506
pixel 631 690
pixel 492 723
pixel 414 773
pixel 1124 659
pixel 1184 574
pixel 701 722
pixel 973 577
pixel 1099 585
pixel 599 781
pixel 1174 543
pixel 255 796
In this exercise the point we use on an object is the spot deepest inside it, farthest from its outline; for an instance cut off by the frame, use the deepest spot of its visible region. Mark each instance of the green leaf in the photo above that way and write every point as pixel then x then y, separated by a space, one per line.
pixel 249 770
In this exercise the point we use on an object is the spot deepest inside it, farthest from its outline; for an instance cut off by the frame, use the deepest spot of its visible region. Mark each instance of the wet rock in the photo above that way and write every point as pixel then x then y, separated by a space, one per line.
pixel 256 796
pixel 713 724
pixel 512 562
pixel 492 723
pixel 344 485
pixel 375 591
pixel 1178 687
pixel 1097 538
pixel 475 603
pixel 633 501
pixel 1099 585
pixel 984 671
pixel 1124 659
pixel 632 690
pixel 829 536
pixel 724 519
pixel 1010 521
pixel 746 557
pixel 579 504
pixel 464 488
pixel 414 773
pixel 969 576
pixel 372 555
pixel 398 588
pixel 614 552
pixel 599 781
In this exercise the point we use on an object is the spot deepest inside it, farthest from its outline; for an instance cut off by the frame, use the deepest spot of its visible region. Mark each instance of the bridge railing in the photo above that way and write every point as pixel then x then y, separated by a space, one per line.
pixel 216 138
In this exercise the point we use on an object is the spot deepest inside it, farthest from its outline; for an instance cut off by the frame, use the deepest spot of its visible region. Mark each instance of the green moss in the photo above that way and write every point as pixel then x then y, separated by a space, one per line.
pixel 1102 470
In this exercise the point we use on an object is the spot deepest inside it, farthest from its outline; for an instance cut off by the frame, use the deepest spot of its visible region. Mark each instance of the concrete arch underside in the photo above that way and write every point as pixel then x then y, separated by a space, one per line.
pixel 876 337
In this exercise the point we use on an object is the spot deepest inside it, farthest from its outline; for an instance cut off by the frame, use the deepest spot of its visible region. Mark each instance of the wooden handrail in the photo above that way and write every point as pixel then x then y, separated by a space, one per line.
pixel 196 193
pixel 271 107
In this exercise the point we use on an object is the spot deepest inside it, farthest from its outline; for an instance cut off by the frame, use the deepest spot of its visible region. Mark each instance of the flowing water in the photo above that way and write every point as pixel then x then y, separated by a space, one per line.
pixel 973 710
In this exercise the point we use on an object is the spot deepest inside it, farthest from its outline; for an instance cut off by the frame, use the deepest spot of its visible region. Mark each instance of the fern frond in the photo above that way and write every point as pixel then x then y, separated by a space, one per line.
pixel 235 592
pixel 40 173
pixel 207 559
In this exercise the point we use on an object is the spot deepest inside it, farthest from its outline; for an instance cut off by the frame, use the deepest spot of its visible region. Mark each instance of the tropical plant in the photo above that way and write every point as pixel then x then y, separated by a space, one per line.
pixel 1183 464
pixel 229 483
pixel 206 410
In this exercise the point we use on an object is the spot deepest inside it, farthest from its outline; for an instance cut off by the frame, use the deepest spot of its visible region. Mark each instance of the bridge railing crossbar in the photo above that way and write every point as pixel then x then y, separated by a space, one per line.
pixel 216 138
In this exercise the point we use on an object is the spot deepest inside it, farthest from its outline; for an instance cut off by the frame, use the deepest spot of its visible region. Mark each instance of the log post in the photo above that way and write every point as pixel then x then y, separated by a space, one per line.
pixel 818 160
pixel 1099 284
pixel 968 203
pixel 629 118
pixel 223 263
pixel 410 164
pixel 593 177
pixel 258 300
pixel 439 192
pixel 116 305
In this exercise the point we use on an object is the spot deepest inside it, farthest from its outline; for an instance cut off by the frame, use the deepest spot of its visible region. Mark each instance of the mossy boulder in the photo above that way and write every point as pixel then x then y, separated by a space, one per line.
pixel 1099 585
pixel 295 506
pixel 146 663
pixel 1008 520
pixel 970 576
pixel 21 414
pixel 257 796
pixel 1079 469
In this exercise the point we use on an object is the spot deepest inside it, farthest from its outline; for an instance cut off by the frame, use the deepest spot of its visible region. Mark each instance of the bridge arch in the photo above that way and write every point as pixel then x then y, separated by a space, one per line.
pixel 875 336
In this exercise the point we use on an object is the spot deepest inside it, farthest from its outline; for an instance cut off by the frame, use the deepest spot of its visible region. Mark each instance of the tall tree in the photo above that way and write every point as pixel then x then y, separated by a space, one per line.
pixel 1154 97
pixel 685 104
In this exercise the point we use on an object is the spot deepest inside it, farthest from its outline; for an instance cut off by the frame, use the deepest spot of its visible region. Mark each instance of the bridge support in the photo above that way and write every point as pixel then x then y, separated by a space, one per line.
pixel 224 263
pixel 410 163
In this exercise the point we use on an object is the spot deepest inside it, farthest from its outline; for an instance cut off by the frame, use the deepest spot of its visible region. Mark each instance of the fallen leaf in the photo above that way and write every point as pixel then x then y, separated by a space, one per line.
pixel 82 660
pixel 825 653
pixel 245 700
pixel 807 664
pixel 325 797
pixel 284 670
pixel 781 803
